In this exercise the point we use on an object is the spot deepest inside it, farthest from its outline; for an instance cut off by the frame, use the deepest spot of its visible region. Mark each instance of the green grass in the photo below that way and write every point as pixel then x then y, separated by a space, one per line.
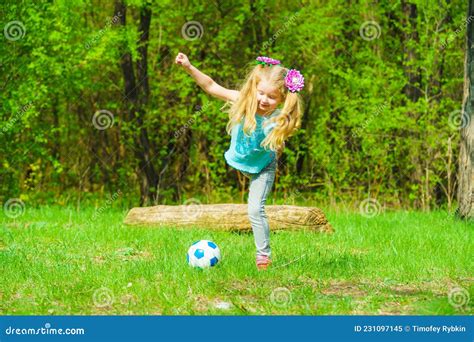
pixel 53 261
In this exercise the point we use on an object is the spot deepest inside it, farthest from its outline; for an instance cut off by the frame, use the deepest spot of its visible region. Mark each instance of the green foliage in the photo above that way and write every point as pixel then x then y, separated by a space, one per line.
pixel 362 134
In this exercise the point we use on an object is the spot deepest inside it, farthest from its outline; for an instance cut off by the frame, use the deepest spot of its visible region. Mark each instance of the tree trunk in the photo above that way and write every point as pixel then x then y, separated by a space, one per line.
pixel 466 154
pixel 411 90
pixel 142 74
pixel 229 217
pixel 138 93
pixel 413 93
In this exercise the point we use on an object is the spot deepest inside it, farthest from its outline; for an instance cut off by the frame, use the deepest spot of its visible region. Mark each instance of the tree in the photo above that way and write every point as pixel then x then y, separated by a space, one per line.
pixel 137 91
pixel 466 154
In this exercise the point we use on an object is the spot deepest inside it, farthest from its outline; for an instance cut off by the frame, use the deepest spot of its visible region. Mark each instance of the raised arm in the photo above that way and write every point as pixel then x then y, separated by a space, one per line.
pixel 205 82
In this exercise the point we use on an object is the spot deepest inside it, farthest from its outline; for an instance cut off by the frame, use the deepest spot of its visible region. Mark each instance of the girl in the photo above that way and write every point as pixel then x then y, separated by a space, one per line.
pixel 259 129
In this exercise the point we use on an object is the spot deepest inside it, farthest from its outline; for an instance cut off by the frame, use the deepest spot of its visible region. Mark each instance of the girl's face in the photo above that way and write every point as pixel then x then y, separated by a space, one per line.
pixel 268 97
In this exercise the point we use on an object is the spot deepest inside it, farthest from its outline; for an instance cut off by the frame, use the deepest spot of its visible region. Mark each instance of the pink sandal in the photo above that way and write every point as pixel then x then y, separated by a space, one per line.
pixel 263 262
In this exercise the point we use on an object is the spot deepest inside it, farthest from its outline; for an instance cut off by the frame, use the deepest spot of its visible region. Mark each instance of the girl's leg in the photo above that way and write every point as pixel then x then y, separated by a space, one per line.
pixel 260 186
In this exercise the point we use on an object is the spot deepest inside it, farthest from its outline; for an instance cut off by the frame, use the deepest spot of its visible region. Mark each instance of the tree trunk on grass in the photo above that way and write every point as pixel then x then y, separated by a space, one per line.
pixel 229 217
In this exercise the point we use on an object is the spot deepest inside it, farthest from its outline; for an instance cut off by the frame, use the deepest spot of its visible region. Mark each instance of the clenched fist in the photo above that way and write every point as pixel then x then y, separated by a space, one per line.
pixel 182 60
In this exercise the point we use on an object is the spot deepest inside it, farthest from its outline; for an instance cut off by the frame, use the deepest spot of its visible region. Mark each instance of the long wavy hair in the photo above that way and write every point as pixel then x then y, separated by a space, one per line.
pixel 245 108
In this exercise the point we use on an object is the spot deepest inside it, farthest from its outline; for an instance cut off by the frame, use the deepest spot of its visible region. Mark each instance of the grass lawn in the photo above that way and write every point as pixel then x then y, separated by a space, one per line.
pixel 53 261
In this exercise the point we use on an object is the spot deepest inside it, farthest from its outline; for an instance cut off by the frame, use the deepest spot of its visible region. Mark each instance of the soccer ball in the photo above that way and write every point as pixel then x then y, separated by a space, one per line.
pixel 203 254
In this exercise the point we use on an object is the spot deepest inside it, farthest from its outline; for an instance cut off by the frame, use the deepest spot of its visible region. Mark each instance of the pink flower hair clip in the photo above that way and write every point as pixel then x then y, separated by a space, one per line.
pixel 294 80
pixel 267 61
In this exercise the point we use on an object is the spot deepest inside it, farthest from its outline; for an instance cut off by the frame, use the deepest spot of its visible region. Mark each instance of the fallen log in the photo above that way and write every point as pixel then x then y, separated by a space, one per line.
pixel 229 217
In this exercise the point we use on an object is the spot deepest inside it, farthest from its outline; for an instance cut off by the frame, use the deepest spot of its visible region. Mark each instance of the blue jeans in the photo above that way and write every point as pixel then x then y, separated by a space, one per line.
pixel 260 186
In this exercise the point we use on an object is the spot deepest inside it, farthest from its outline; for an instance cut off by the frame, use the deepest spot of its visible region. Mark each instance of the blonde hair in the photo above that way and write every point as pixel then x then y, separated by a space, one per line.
pixel 287 122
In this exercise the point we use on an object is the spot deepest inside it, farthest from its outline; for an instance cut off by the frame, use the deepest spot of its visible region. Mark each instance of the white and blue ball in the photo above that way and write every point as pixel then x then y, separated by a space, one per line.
pixel 203 254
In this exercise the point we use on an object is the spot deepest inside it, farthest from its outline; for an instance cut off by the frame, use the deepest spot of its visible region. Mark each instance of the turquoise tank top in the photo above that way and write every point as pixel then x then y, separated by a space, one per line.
pixel 245 153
